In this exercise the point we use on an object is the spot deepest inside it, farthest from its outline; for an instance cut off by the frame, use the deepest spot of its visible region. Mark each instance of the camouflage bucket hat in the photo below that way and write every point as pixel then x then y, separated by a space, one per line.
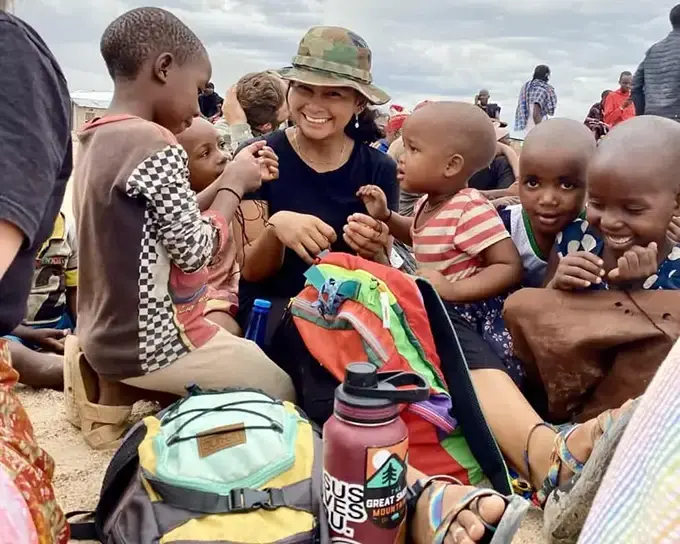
pixel 334 57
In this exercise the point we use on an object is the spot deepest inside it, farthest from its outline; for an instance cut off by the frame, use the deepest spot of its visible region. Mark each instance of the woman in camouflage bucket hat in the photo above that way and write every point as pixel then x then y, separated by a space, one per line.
pixel 335 57
pixel 323 161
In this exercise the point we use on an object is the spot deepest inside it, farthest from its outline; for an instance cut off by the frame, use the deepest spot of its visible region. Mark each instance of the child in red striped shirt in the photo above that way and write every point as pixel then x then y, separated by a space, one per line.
pixel 459 241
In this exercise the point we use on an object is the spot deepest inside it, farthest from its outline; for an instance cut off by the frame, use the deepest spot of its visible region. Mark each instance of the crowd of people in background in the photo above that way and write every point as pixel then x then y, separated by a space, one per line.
pixel 219 201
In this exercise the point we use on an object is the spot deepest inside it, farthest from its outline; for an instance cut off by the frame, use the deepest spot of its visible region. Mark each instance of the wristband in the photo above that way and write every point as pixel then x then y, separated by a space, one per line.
pixel 389 216
pixel 229 189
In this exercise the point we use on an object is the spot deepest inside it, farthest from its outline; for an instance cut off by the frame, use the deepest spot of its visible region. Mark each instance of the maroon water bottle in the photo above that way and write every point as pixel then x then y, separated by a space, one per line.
pixel 365 455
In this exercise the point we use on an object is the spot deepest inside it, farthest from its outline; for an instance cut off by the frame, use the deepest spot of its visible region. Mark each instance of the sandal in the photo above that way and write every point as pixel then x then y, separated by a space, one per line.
pixel 102 426
pixel 515 509
pixel 570 511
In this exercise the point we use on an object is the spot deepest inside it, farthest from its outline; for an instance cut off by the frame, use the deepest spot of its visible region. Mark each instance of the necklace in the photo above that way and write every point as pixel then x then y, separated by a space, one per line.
pixel 430 206
pixel 334 163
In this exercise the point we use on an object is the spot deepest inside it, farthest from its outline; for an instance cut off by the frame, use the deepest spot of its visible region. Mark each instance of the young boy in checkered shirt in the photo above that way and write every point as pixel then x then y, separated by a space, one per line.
pixel 146 239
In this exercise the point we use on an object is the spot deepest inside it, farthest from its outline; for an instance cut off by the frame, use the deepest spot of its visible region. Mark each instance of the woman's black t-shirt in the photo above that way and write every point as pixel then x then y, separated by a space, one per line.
pixel 330 196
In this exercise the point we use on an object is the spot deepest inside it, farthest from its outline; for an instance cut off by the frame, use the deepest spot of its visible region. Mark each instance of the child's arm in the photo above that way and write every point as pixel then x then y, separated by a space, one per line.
pixel 191 240
pixel 512 157
pixel 502 271
pixel 375 201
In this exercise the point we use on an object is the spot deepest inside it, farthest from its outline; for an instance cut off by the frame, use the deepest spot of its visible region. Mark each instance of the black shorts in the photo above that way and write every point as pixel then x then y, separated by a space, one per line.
pixel 478 353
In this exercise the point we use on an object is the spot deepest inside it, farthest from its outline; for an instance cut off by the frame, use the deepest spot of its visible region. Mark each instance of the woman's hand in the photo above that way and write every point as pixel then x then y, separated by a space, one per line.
pixel 305 234
pixel 368 237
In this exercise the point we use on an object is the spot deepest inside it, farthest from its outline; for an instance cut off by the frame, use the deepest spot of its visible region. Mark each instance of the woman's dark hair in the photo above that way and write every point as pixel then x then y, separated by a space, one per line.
pixel 368 130
pixel 541 72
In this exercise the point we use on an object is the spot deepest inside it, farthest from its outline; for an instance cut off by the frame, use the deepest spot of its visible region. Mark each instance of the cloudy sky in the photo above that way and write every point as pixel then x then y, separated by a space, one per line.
pixel 422 48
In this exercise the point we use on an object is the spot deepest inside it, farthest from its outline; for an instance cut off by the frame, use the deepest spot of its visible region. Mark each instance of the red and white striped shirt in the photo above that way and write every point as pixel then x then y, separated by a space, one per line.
pixel 451 241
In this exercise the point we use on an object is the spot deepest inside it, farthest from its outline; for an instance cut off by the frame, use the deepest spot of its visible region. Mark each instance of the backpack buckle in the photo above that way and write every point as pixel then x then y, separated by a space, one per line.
pixel 246 500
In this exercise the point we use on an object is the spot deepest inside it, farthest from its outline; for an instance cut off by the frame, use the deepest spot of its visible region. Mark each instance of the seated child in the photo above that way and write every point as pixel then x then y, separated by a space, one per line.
pixel 552 192
pixel 633 195
pixel 459 241
pixel 207 158
pixel 50 312
pixel 255 106
pixel 145 238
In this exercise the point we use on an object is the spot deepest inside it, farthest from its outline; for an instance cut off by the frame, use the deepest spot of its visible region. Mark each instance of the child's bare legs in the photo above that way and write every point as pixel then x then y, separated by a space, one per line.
pixel 512 418
pixel 226 321
pixel 40 370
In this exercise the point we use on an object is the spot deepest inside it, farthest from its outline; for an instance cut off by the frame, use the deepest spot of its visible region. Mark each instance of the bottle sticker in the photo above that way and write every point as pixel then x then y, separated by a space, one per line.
pixel 385 487
pixel 344 504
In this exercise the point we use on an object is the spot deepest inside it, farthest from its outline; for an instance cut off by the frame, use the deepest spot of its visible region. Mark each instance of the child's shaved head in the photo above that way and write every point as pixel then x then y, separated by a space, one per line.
pixel 647 148
pixel 553 171
pixel 633 184
pixel 460 128
pixel 564 136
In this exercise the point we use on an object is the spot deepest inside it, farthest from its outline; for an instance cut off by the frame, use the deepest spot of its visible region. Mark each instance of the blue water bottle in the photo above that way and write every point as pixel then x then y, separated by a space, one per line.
pixel 257 324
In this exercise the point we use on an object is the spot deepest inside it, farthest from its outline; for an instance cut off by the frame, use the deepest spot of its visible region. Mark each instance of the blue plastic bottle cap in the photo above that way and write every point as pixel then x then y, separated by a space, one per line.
pixel 262 304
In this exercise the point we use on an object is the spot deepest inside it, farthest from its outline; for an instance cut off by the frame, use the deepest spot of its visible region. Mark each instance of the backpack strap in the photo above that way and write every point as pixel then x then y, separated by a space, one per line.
pixel 237 501
pixel 122 469
pixel 83 530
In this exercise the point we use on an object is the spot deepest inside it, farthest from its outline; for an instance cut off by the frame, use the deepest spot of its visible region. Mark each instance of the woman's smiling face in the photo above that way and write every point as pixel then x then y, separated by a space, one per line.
pixel 321 112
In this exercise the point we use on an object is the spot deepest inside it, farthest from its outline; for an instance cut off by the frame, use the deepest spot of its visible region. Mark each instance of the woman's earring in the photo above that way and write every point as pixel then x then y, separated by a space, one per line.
pixel 356 120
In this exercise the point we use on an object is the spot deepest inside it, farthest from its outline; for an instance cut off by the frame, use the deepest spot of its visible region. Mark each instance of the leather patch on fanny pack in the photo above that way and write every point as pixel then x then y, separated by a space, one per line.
pixel 220 438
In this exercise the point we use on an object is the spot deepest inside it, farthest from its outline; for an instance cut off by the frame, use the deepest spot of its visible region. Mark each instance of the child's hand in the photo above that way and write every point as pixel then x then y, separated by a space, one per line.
pixel 375 201
pixel 269 164
pixel 51 340
pixel 437 279
pixel 674 230
pixel 253 164
pixel 636 264
pixel 578 270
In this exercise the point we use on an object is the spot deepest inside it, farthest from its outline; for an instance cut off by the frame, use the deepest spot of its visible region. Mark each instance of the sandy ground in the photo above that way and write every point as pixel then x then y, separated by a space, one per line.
pixel 80 470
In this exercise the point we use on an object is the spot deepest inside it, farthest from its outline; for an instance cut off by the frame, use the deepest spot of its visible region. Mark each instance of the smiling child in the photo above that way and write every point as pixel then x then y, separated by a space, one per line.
pixel 633 194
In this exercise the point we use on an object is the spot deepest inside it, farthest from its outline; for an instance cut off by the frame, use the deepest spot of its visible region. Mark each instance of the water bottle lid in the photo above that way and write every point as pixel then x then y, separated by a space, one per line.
pixel 361 375
pixel 262 304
